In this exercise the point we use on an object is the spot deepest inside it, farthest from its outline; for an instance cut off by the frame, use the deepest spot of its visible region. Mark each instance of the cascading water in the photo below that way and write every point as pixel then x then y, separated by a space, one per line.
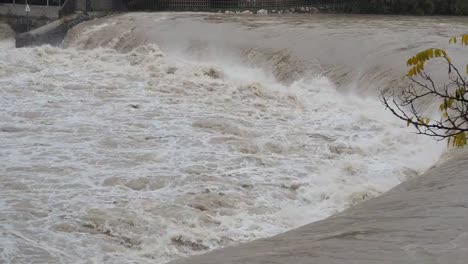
pixel 114 151
pixel 6 36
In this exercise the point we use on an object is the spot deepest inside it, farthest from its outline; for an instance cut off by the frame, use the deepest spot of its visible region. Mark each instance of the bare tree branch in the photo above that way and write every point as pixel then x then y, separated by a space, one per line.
pixel 453 96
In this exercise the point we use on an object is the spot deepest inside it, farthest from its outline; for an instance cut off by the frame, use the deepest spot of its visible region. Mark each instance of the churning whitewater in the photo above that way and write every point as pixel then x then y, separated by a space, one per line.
pixel 144 157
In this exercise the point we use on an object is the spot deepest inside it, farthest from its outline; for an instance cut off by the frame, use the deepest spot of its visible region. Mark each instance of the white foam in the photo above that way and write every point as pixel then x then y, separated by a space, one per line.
pixel 7 36
pixel 119 158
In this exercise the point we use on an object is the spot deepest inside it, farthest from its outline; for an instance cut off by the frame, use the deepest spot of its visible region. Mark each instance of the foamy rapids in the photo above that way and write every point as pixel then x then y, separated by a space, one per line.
pixel 144 157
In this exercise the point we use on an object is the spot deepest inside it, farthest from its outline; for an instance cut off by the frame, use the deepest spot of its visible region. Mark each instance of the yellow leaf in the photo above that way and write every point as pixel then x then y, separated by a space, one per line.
pixel 409 121
pixel 459 140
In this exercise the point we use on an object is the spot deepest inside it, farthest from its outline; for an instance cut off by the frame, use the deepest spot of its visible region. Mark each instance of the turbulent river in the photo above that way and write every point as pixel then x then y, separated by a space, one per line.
pixel 152 136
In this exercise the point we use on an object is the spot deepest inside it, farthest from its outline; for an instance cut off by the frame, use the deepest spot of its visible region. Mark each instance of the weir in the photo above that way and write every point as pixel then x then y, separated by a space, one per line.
pixel 158 136
pixel 150 137
pixel 23 15
pixel 42 12
pixel 53 9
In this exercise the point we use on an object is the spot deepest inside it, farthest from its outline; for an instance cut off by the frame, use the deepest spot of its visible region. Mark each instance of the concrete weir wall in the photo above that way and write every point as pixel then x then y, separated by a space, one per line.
pixel 15 15
pixel 52 33
pixel 422 221
pixel 37 11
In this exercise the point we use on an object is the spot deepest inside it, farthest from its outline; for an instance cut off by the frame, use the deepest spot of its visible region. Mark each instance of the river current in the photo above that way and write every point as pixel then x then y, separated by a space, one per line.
pixel 138 143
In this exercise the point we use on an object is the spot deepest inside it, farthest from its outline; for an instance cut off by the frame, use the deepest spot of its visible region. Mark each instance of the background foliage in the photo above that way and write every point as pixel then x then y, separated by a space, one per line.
pixel 417 7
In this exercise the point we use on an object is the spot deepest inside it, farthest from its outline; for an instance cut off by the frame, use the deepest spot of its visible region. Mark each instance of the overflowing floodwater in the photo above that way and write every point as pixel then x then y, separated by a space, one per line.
pixel 6 36
pixel 119 151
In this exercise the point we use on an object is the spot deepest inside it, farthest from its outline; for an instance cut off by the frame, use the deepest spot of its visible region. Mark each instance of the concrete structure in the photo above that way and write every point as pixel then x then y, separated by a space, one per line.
pixel 42 15
pixel 54 12
pixel 52 33
pixel 70 6
pixel 37 11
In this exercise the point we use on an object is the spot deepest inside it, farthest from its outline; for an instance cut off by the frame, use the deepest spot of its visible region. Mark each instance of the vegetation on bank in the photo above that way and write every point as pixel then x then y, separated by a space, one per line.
pixel 451 94
pixel 415 7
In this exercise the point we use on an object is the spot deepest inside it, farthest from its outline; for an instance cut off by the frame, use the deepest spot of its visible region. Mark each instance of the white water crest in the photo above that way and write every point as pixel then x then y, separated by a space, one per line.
pixel 6 36
pixel 144 157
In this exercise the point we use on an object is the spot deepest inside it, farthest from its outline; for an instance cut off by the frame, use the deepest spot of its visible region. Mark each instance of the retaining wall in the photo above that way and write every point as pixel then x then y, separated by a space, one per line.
pixel 37 11
pixel 52 33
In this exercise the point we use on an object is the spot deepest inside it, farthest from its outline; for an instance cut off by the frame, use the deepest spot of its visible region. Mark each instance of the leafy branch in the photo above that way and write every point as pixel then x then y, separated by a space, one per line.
pixel 453 95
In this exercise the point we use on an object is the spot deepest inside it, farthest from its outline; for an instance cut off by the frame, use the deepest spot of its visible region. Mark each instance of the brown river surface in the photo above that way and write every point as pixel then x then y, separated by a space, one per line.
pixel 149 137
